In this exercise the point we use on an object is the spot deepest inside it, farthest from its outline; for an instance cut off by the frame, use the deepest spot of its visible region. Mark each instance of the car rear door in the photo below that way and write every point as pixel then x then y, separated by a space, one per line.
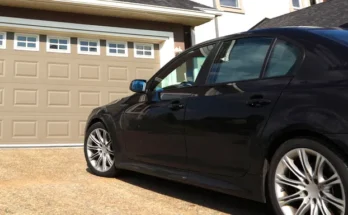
pixel 224 120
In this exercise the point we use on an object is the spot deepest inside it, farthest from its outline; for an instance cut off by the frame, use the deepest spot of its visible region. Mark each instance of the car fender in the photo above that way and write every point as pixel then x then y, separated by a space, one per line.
pixel 103 116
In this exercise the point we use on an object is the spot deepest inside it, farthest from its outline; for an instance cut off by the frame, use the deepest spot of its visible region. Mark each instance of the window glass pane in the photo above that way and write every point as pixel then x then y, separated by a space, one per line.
pixel 112 45
pixel 240 60
pixel 229 3
pixel 53 46
pixel 21 44
pixel 63 42
pixel 84 49
pixel 1 36
pixel 140 47
pixel 112 51
pixel 84 43
pixel 20 38
pixel 1 43
pixel 92 43
pixel 283 59
pixel 296 3
pixel 32 39
pixel 31 45
pixel 63 47
pixel 92 49
pixel 122 46
pixel 187 71
pixel 148 53
pixel 147 48
pixel 140 52
pixel 121 51
pixel 53 41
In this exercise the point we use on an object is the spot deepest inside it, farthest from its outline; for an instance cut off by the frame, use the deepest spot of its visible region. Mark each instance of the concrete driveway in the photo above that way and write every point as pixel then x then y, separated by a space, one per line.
pixel 56 181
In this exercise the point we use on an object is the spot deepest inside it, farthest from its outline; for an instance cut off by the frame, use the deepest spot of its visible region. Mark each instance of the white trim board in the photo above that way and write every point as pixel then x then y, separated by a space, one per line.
pixel 120 5
pixel 43 145
pixel 166 38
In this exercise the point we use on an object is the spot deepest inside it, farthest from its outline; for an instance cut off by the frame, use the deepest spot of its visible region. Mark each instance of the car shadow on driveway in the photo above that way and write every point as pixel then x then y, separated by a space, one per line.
pixel 199 196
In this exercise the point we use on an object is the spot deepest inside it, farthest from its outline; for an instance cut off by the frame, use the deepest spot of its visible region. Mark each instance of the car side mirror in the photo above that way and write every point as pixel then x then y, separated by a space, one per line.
pixel 138 86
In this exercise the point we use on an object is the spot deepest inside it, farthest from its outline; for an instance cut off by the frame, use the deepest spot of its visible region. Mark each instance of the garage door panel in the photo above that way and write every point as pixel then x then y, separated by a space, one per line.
pixel 58 129
pixel 118 73
pixel 1 129
pixel 46 97
pixel 2 67
pixel 88 72
pixel 41 129
pixel 26 69
pixel 58 71
pixel 56 98
pixel 144 72
pixel 2 97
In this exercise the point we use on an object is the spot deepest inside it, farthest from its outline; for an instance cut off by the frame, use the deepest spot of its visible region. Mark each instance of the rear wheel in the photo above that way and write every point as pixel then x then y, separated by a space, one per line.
pixel 99 151
pixel 308 178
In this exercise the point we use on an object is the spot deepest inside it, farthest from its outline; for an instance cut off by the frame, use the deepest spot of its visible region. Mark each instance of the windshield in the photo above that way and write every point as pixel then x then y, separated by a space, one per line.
pixel 339 35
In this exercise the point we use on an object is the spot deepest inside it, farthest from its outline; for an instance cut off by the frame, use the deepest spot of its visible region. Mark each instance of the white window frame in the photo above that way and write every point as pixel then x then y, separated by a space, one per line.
pixel 316 1
pixel 48 49
pixel 88 52
pixel 116 54
pixel 144 56
pixel 4 40
pixel 37 48
pixel 238 5
pixel 300 3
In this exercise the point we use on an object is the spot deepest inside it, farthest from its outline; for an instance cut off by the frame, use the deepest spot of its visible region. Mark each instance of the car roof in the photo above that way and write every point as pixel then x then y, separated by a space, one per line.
pixel 274 31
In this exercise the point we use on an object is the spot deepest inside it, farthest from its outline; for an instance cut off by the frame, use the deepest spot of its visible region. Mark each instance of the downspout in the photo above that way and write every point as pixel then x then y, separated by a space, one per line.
pixel 193 36
pixel 216 21
pixel 214 11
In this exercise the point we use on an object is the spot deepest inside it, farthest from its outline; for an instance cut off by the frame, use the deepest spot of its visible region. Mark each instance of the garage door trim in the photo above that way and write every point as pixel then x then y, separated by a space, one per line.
pixel 166 38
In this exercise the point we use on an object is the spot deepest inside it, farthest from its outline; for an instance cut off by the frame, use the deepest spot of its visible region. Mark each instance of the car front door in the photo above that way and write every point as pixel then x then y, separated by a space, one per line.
pixel 154 126
pixel 226 117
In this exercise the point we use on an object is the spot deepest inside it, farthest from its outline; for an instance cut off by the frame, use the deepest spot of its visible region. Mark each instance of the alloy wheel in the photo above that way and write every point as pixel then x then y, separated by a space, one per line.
pixel 306 183
pixel 99 150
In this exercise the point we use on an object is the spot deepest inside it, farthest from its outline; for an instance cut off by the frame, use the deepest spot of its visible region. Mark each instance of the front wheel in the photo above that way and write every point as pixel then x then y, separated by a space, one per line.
pixel 99 152
pixel 308 178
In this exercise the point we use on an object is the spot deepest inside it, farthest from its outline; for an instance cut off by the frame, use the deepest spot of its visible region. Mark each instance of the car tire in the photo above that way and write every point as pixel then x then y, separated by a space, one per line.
pixel 99 153
pixel 308 188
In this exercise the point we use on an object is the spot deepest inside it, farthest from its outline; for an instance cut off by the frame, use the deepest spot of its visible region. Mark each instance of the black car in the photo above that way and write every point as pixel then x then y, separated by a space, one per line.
pixel 261 115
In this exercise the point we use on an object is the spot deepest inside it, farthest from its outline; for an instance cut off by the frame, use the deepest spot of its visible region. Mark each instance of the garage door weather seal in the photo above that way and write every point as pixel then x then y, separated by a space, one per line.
pixel 50 145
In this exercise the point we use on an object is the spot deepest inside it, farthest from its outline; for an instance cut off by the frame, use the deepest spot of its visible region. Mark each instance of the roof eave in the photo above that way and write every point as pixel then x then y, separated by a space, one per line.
pixel 119 9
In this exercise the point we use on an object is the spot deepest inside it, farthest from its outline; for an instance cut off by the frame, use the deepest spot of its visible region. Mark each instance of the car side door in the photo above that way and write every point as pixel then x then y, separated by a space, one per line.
pixel 153 127
pixel 224 120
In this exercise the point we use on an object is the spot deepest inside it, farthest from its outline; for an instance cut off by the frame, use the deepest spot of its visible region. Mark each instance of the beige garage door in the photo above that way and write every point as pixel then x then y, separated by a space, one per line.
pixel 45 97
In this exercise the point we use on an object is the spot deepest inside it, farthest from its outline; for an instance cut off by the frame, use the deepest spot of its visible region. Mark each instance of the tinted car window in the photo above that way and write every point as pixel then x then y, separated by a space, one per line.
pixel 283 59
pixel 185 72
pixel 239 60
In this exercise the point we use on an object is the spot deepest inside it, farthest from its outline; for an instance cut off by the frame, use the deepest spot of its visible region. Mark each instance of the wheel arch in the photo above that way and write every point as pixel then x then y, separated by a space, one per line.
pixel 286 134
pixel 109 124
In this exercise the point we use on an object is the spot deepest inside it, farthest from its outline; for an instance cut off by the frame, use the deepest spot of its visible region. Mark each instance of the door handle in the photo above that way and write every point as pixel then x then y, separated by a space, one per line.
pixel 258 102
pixel 176 106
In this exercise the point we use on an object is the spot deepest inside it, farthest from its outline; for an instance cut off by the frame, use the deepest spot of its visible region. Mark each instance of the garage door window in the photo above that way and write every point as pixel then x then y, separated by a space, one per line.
pixel 143 50
pixel 2 40
pixel 117 49
pixel 90 47
pixel 26 42
pixel 58 44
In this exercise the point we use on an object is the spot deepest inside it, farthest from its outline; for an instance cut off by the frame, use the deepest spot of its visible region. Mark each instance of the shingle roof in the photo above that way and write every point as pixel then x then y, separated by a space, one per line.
pixel 333 13
pixel 182 4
